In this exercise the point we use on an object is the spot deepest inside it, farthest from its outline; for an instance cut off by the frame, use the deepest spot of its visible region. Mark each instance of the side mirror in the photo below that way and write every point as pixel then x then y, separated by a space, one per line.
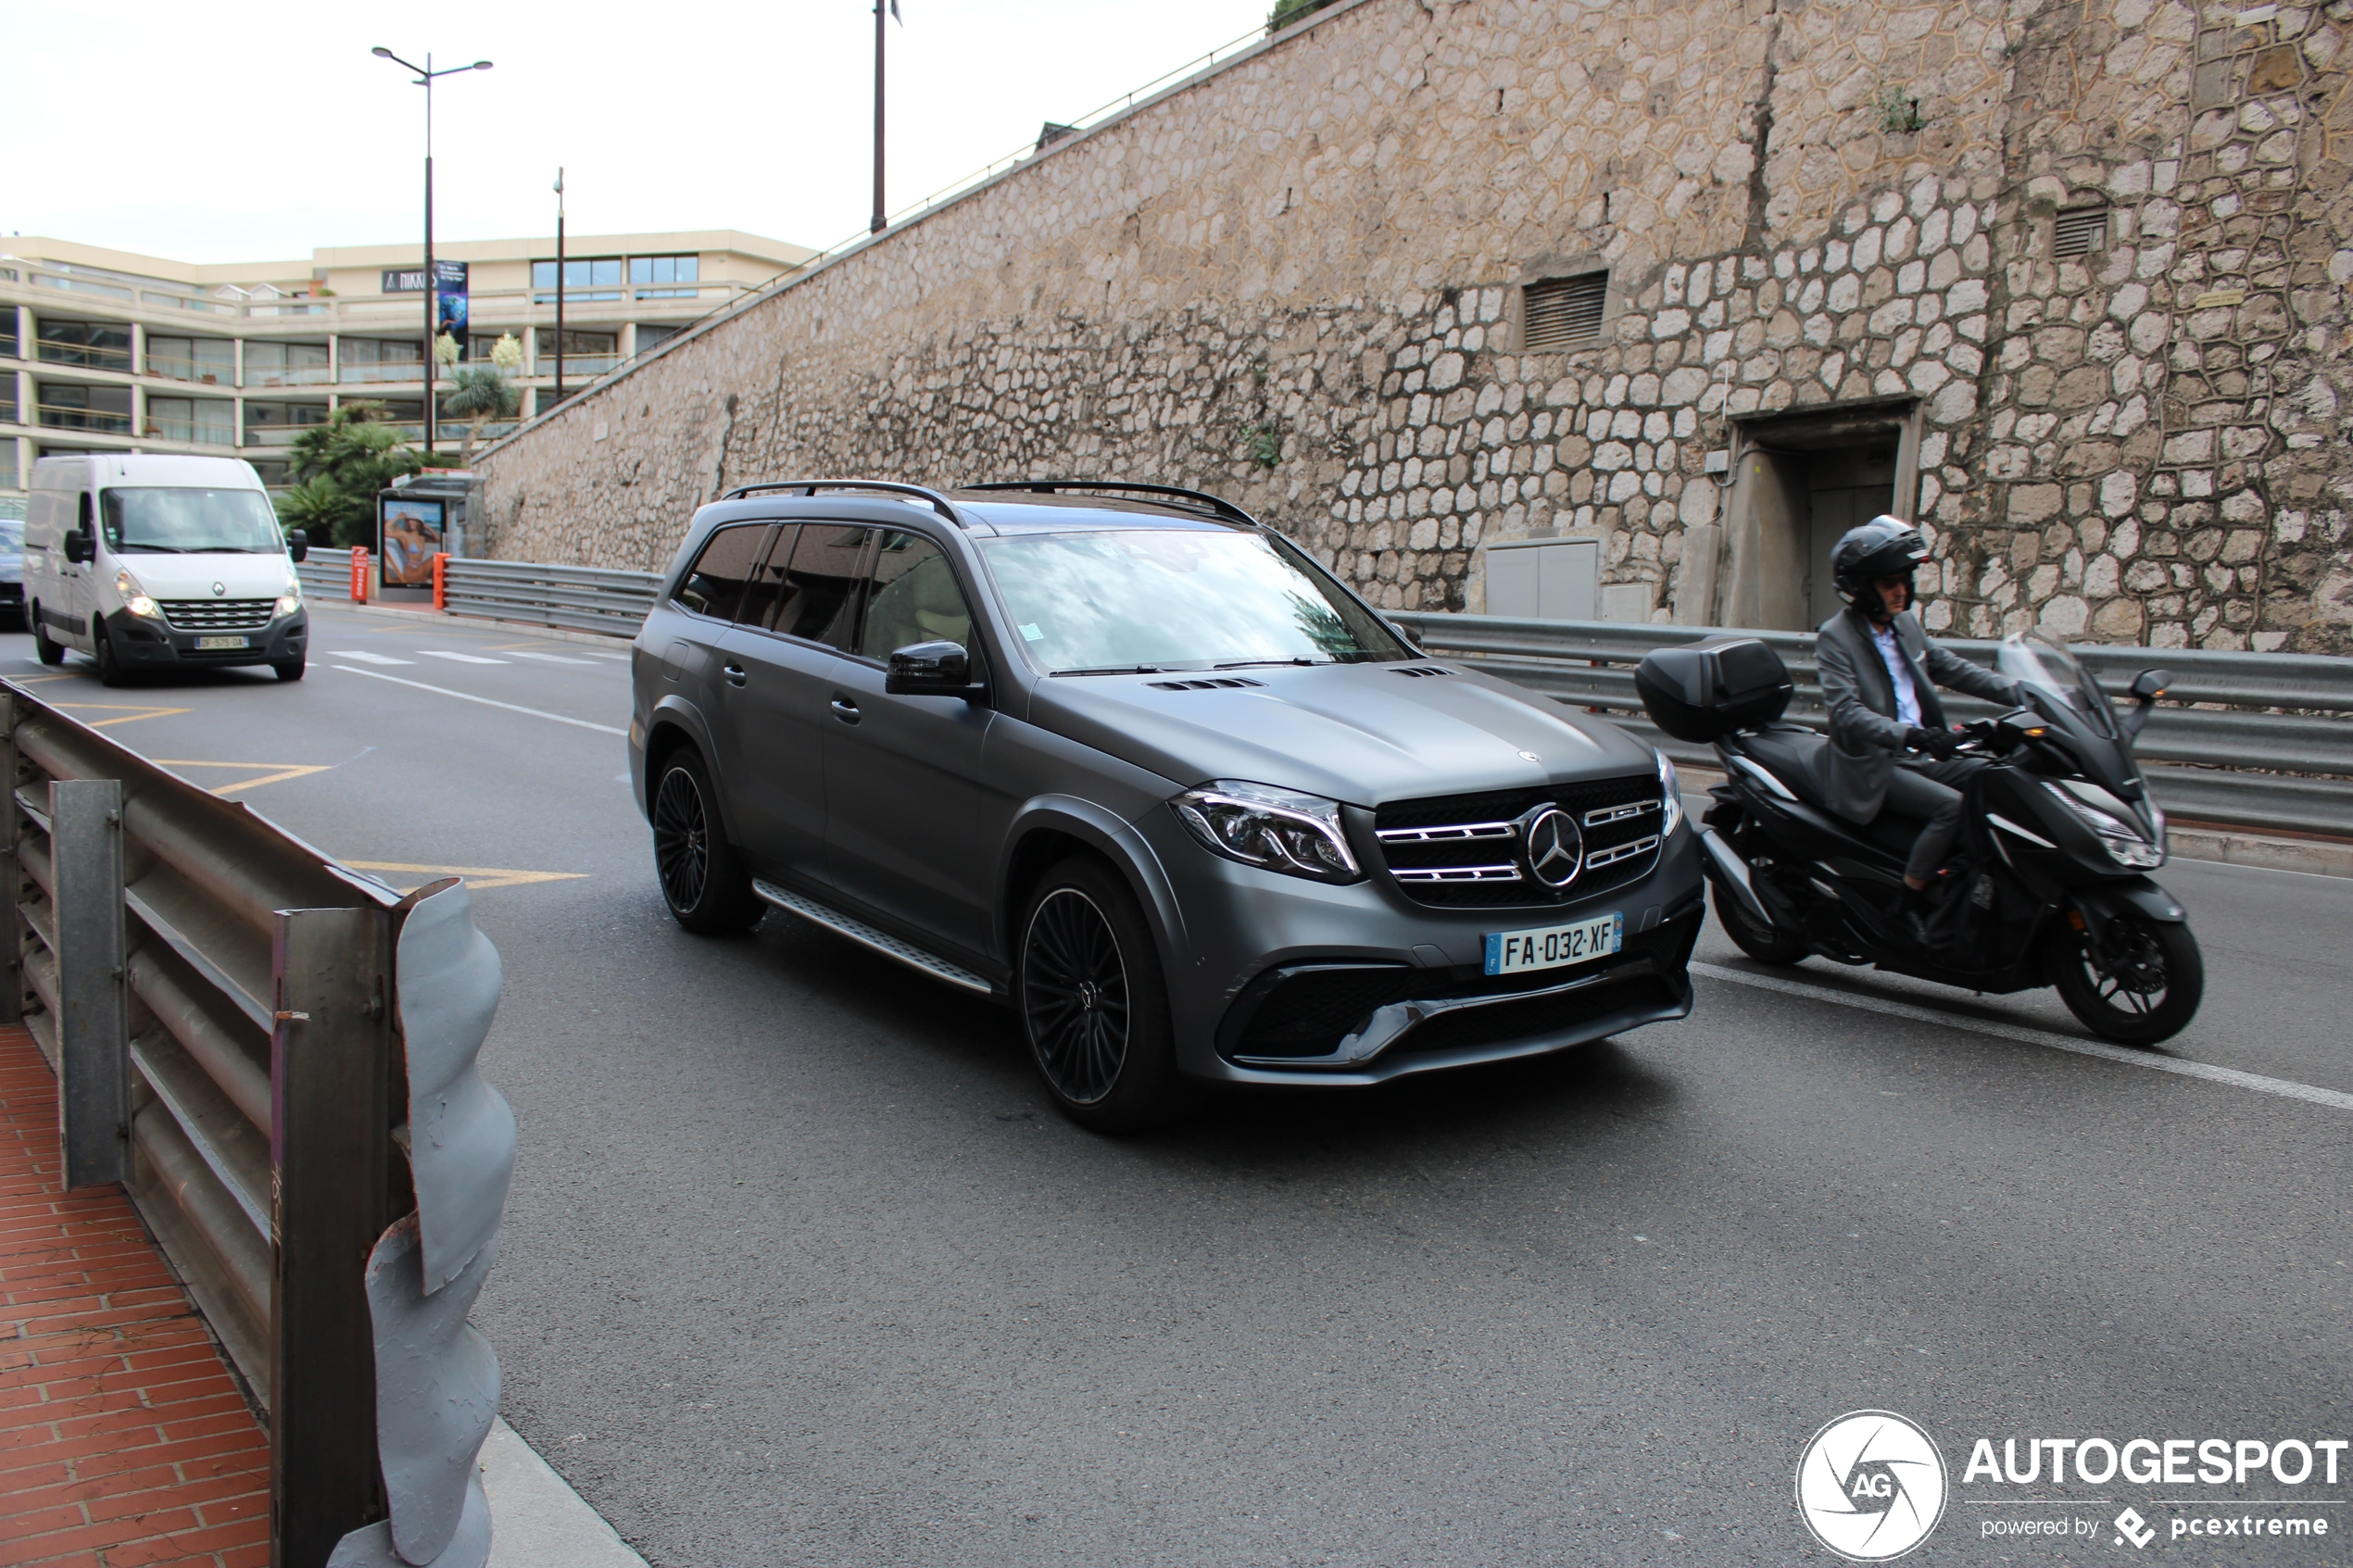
pixel 941 669
pixel 299 544
pixel 2147 688
pixel 1403 634
pixel 81 548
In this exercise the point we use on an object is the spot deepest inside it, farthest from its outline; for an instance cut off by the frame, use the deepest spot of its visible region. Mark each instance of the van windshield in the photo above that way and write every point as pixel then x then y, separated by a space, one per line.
pixel 187 520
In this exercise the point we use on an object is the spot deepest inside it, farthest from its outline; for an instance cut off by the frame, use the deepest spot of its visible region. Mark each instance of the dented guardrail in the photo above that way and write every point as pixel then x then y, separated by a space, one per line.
pixel 275 1057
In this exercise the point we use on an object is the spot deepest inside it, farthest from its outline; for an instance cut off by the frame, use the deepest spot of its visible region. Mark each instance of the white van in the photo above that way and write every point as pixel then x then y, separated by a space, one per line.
pixel 161 563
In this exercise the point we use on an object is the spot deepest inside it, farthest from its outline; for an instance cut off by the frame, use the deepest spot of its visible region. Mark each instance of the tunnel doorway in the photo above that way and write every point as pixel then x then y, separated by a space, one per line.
pixel 1799 486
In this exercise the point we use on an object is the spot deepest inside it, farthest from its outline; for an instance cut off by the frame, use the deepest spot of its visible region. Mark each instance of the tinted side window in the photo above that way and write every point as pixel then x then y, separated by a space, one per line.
pixel 715 585
pixel 914 598
pixel 768 582
pixel 821 586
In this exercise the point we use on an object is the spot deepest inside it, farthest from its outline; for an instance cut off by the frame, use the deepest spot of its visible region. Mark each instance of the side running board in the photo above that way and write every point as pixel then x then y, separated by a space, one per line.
pixel 865 936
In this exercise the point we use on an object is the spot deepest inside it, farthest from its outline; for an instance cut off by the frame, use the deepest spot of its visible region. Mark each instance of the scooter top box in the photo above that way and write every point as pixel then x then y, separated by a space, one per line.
pixel 1708 690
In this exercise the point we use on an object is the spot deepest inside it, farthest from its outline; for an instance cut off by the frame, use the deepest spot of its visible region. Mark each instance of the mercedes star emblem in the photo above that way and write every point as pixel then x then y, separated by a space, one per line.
pixel 1554 850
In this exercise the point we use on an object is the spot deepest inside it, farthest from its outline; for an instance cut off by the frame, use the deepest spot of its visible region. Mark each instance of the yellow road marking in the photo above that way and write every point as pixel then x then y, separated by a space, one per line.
pixel 284 770
pixel 476 876
pixel 131 712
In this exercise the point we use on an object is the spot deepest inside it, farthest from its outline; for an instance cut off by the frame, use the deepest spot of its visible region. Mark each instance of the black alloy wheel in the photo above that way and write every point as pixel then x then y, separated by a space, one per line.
pixel 50 652
pixel 110 671
pixel 2138 983
pixel 1094 1005
pixel 703 879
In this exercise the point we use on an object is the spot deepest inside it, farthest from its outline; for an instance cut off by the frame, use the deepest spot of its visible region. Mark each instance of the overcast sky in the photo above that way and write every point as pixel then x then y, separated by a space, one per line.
pixel 244 134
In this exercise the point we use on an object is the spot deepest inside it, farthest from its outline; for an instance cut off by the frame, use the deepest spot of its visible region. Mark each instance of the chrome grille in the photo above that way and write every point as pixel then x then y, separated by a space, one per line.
pixel 1463 850
pixel 218 615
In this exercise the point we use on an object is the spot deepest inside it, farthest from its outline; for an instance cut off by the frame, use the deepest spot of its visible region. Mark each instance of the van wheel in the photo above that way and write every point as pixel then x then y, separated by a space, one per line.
pixel 51 653
pixel 1094 1004
pixel 289 668
pixel 110 671
pixel 703 879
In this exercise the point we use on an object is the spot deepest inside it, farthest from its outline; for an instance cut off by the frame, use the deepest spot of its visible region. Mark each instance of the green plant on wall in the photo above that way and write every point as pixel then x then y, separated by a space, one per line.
pixel 1266 444
pixel 1898 111
pixel 1289 11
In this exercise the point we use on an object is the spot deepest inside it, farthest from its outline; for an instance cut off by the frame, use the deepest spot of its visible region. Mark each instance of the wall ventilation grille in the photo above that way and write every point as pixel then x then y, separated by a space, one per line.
pixel 2080 232
pixel 1565 311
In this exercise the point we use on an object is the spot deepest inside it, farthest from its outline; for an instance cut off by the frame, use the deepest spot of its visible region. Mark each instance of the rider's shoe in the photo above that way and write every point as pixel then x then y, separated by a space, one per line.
pixel 1911 917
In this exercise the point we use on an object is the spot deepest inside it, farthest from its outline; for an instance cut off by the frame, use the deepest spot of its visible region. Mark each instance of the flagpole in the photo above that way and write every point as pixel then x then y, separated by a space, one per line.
pixel 880 222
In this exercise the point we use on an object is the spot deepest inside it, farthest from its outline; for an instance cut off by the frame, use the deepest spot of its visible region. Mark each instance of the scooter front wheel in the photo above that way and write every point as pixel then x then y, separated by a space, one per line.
pixel 1766 944
pixel 2141 983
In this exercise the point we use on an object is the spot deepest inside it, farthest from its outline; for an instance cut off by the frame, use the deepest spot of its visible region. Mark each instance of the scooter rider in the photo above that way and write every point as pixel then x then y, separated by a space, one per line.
pixel 1891 748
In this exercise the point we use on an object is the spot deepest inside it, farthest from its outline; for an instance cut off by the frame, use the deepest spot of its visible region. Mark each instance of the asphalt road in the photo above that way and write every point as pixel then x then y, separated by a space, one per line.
pixel 799 1269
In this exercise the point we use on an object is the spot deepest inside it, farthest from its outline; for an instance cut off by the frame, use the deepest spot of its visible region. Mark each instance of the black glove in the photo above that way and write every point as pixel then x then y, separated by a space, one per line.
pixel 1939 744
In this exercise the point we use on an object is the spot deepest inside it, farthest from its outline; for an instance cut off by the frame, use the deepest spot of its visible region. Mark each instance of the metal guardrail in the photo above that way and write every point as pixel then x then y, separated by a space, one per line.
pixel 270 1053
pixel 580 598
pixel 2269 743
pixel 325 573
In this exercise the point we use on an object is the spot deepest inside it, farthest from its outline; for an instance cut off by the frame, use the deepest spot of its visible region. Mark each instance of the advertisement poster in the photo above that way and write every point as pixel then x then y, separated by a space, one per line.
pixel 449 297
pixel 412 535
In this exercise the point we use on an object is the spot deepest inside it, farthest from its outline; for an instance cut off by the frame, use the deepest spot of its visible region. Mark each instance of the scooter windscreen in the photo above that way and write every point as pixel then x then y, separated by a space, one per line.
pixel 2032 660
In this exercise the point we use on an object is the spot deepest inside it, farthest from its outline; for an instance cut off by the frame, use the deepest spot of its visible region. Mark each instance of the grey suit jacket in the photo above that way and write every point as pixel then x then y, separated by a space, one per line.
pixel 1866 736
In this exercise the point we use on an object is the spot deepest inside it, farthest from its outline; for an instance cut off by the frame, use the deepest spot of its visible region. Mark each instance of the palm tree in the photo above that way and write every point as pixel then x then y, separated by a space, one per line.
pixel 483 393
pixel 338 468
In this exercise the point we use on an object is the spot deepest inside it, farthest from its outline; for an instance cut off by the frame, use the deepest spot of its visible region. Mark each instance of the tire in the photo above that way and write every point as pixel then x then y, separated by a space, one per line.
pixel 1094 1003
pixel 1765 944
pixel 290 668
pixel 50 653
pixel 2154 992
pixel 110 670
pixel 703 878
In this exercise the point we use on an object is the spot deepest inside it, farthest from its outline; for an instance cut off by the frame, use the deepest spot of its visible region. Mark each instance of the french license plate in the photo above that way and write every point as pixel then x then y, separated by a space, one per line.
pixel 206 643
pixel 1554 947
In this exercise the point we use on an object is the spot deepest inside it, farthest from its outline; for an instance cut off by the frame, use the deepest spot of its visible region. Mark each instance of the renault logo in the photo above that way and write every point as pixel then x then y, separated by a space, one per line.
pixel 1555 851
pixel 219 589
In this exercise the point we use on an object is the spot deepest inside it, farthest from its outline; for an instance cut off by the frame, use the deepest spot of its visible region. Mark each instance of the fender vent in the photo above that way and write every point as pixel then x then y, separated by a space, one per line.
pixel 1202 685
pixel 1418 670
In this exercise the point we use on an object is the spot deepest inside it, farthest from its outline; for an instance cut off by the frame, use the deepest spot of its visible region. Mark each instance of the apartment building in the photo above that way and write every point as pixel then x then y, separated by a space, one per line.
pixel 107 351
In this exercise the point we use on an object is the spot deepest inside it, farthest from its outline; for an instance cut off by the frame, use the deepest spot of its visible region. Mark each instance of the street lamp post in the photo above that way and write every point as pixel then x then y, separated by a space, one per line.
pixel 425 77
pixel 559 286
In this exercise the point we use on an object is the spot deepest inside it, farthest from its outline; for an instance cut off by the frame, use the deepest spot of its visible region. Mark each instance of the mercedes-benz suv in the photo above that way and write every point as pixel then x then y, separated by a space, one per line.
pixel 1128 761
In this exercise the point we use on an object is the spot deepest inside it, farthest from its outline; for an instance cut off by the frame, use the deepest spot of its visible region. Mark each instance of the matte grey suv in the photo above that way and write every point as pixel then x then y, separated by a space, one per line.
pixel 1122 758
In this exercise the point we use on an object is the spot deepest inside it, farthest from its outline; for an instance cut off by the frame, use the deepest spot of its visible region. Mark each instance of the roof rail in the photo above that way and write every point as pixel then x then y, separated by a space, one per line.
pixel 937 502
pixel 1217 504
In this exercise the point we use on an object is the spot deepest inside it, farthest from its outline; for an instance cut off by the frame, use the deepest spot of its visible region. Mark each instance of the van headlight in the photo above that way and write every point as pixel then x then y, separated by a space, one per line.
pixel 290 598
pixel 134 597
pixel 1275 830
pixel 2123 841
pixel 1670 798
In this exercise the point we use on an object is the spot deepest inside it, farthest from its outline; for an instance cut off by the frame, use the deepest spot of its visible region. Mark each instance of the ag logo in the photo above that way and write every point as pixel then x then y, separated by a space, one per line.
pixel 1555 851
pixel 1870 1486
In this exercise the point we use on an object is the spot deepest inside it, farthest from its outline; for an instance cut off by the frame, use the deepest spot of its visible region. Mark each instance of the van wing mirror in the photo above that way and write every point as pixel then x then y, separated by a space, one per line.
pixel 299 544
pixel 941 669
pixel 81 548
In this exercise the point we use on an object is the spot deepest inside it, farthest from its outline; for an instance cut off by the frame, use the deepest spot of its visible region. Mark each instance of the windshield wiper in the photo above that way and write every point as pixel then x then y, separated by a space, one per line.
pixel 1118 670
pixel 1253 663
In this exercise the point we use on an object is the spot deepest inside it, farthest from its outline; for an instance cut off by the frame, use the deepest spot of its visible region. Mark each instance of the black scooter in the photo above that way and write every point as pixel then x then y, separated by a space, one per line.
pixel 2047 885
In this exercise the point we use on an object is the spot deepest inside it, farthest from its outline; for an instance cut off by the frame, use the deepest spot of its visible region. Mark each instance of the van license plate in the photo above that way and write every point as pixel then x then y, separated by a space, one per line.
pixel 1554 947
pixel 209 642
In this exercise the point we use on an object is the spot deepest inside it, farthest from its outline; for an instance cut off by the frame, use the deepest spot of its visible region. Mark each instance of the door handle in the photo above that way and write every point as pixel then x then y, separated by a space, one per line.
pixel 735 675
pixel 845 710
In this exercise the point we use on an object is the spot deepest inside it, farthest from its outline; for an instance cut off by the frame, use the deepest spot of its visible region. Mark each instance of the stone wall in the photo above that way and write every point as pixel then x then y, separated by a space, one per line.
pixel 1297 282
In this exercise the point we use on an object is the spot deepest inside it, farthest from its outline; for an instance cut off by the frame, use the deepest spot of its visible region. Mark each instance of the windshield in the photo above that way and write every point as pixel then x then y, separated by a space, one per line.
pixel 184 520
pixel 2034 660
pixel 11 533
pixel 1156 598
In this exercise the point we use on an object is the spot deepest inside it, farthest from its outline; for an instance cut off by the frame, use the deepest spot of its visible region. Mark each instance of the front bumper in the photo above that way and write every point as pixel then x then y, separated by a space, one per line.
pixel 149 643
pixel 1278 980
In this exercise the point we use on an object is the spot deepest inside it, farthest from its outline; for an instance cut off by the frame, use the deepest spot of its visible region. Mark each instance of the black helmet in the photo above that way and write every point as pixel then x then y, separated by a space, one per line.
pixel 1885 546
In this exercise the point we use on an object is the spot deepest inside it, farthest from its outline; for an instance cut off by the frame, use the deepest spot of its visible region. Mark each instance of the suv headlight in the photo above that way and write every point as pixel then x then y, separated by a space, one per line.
pixel 1670 798
pixel 1275 830
pixel 134 597
pixel 2120 839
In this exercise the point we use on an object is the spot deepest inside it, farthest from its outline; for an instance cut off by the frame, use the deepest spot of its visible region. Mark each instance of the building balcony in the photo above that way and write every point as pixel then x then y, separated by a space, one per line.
pixel 196 371
pixel 105 421
pixel 579 367
pixel 310 375
pixel 411 372
pixel 89 356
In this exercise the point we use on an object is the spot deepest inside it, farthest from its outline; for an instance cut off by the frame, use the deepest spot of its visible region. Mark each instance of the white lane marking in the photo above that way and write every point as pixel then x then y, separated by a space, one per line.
pixel 368 658
pixel 486 702
pixel 548 657
pixel 623 657
pixel 458 657
pixel 2282 1086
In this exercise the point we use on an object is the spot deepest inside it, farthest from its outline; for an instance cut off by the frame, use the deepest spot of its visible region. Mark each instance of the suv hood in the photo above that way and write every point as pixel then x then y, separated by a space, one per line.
pixel 191 577
pixel 1363 733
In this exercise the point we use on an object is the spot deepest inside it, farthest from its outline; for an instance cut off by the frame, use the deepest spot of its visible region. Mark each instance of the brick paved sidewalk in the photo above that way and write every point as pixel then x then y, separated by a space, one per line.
pixel 122 1438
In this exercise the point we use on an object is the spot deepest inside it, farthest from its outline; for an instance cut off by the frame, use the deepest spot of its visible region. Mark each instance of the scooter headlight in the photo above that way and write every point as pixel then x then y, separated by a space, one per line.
pixel 2120 839
pixel 1670 798
pixel 134 597
pixel 1276 830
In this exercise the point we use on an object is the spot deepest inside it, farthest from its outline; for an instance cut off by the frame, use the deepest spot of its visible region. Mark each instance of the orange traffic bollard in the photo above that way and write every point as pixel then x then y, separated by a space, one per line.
pixel 359 574
pixel 441 580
